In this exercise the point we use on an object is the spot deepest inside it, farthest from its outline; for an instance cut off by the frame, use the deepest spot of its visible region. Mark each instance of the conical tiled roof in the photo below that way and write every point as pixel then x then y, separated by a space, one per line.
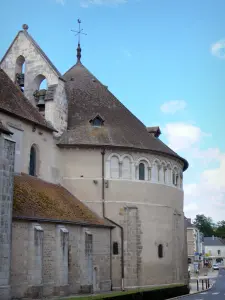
pixel 88 98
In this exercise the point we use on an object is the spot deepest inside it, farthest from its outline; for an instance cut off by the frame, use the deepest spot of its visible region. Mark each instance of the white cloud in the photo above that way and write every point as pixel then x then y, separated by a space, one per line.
pixel 87 3
pixel 215 178
pixel 182 136
pixel 205 156
pixel 218 49
pixel 191 207
pixel 208 195
pixel 172 107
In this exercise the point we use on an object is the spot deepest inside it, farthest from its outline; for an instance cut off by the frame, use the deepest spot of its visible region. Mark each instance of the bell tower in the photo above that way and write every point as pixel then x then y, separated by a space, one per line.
pixel 35 75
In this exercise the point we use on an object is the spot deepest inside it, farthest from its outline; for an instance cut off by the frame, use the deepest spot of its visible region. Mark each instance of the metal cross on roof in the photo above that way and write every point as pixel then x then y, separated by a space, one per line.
pixel 79 32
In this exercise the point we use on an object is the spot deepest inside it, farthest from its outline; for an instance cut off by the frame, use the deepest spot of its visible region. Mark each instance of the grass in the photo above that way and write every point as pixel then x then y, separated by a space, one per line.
pixel 120 293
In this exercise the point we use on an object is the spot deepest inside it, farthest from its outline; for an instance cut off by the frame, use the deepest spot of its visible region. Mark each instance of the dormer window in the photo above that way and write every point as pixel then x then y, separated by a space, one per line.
pixel 97 121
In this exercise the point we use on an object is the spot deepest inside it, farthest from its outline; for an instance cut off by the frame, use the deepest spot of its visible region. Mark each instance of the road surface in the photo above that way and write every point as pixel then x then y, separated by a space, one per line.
pixel 217 292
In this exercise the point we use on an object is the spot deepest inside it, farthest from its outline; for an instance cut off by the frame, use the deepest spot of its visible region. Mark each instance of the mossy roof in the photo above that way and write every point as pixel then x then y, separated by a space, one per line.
pixel 36 198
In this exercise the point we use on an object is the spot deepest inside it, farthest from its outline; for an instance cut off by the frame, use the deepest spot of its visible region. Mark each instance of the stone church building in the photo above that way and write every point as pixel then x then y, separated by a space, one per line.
pixel 90 198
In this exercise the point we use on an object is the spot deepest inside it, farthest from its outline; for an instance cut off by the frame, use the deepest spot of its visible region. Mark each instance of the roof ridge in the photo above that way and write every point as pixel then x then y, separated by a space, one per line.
pixel 10 46
pixel 35 44
pixel 42 53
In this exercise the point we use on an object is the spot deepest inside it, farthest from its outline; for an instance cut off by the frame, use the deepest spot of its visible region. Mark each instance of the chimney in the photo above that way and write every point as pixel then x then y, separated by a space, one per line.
pixel 154 131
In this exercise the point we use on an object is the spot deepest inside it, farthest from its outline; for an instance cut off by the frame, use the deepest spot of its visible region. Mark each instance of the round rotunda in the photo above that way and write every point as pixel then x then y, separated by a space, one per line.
pixel 124 172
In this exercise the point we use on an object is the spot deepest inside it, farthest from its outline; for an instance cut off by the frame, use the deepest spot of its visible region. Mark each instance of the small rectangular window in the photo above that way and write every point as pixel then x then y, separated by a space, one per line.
pixel 219 252
pixel 115 248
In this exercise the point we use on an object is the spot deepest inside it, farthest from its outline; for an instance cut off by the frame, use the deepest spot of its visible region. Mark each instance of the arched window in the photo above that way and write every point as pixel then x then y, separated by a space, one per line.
pixel 160 250
pixel 33 161
pixel 126 168
pixel 41 86
pixel 141 171
pixel 114 167
pixel 20 72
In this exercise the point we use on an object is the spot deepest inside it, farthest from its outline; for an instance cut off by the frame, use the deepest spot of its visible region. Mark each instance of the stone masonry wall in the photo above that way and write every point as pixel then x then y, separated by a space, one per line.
pixel 53 263
pixel 132 249
pixel 7 153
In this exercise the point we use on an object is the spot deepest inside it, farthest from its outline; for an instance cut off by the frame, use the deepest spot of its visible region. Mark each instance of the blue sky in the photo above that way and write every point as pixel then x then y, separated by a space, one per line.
pixel 165 60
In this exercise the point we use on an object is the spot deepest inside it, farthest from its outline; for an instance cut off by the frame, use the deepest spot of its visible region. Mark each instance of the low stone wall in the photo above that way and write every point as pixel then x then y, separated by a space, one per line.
pixel 158 293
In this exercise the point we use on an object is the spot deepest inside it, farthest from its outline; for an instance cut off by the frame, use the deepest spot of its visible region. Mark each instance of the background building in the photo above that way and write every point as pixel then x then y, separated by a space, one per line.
pixel 195 244
pixel 214 249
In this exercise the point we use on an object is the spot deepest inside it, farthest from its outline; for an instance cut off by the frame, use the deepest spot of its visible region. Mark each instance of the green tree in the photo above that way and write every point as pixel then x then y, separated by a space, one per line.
pixel 220 229
pixel 205 225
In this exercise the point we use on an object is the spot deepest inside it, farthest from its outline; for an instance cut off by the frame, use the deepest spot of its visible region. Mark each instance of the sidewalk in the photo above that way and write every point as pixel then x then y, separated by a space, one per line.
pixel 211 275
pixel 193 285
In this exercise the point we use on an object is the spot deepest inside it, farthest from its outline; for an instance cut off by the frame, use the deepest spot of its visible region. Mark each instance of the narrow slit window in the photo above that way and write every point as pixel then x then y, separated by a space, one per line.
pixel 160 251
pixel 32 166
pixel 115 248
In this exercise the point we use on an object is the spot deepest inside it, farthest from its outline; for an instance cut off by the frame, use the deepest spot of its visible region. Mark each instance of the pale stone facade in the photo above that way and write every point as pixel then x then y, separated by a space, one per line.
pixel 194 242
pixel 40 263
pixel 214 248
pixel 49 258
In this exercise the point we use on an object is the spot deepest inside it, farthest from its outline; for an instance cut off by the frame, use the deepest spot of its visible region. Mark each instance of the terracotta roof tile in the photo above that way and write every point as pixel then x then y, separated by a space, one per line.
pixel 13 101
pixel 34 197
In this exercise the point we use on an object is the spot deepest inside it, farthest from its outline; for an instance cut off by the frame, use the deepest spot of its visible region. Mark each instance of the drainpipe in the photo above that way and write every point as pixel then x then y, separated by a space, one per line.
pixel 116 224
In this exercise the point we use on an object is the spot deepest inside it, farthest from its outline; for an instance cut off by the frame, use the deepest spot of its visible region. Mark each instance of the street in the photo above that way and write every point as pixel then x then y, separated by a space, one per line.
pixel 216 292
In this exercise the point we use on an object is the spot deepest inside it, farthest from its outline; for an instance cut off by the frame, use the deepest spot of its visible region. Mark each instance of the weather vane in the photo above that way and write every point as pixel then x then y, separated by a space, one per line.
pixel 79 32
